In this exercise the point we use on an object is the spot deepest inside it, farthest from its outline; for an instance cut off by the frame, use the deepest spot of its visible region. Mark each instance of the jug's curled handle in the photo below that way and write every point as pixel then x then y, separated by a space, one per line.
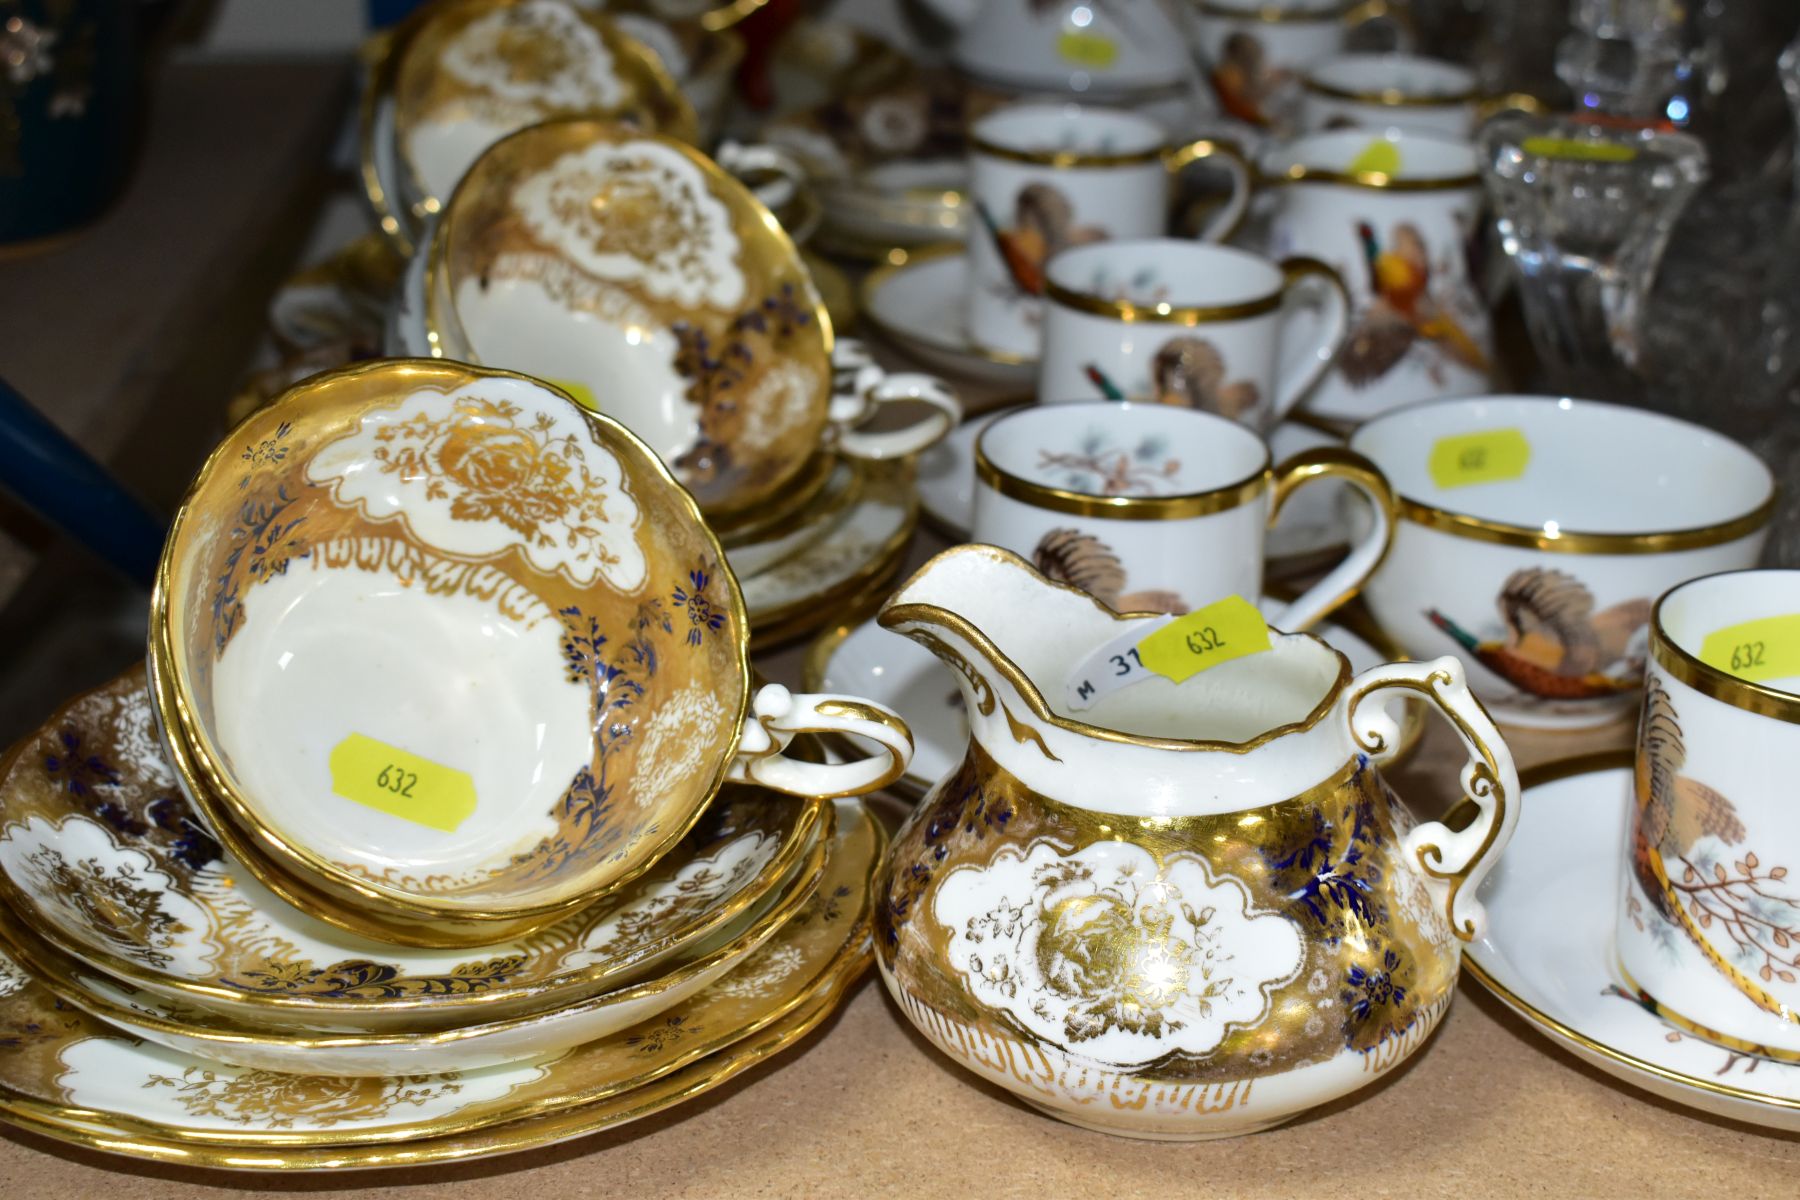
pixel 1453 862
pixel 778 716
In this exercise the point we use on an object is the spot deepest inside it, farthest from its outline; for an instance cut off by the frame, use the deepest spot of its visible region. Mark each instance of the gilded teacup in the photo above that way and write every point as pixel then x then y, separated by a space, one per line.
pixel 445 647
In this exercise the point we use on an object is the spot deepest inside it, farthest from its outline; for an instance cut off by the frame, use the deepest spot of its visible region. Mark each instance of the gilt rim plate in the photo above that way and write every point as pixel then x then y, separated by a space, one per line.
pixel 103 1089
pixel 97 759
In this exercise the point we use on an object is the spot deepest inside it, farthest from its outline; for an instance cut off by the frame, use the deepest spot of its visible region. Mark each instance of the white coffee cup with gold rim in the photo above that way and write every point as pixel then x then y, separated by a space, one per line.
pixel 1709 920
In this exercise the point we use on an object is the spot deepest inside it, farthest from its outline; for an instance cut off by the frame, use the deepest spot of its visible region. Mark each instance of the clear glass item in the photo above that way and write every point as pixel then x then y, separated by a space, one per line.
pixel 1643 59
pixel 1584 211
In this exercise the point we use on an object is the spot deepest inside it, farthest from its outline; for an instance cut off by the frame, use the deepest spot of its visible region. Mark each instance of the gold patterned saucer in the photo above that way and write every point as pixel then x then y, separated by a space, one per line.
pixel 861 554
pixel 459 75
pixel 104 859
pixel 74 1078
pixel 472 1046
pixel 654 287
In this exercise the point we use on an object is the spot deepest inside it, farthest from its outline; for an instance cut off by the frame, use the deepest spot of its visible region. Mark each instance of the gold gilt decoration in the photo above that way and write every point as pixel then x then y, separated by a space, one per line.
pixel 461 481
pixel 272 1100
pixel 1140 929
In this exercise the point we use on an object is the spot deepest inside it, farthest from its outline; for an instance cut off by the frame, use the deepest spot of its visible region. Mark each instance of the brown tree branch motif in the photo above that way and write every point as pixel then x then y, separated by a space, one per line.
pixel 1759 922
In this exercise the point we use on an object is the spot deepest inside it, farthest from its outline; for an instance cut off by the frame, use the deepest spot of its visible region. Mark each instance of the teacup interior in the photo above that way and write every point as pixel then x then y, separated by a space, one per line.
pixel 1122 449
pixel 1405 74
pixel 535 313
pixel 1592 468
pixel 1421 156
pixel 322 655
pixel 1153 271
pixel 1069 129
pixel 1234 702
pixel 1692 612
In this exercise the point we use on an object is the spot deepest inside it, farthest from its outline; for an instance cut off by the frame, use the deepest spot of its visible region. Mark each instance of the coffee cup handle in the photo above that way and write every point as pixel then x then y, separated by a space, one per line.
pixel 1453 862
pixel 778 716
pixel 862 386
pixel 1302 275
pixel 1224 224
pixel 1347 578
pixel 777 180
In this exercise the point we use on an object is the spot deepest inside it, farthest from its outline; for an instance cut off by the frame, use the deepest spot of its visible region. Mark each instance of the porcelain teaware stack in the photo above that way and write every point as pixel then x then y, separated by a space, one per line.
pixel 445 799
pixel 591 244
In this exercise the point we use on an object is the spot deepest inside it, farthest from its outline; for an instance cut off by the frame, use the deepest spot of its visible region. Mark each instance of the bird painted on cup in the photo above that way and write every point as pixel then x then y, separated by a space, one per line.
pixel 1402 310
pixel 1556 646
pixel 1084 561
pixel 1188 372
pixel 1673 811
pixel 1243 79
pixel 1043 226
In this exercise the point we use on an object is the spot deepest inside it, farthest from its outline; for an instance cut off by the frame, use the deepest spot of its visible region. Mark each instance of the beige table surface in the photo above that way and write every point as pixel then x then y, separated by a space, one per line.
pixel 865 1107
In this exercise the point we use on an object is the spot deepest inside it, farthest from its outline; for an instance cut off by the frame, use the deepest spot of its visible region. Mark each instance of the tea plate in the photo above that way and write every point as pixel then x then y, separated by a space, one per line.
pixel 863 549
pixel 400 1051
pixel 67 1075
pixel 842 489
pixel 860 657
pixel 117 1134
pixel 1548 954
pixel 205 933
pixel 1310 522
pixel 917 304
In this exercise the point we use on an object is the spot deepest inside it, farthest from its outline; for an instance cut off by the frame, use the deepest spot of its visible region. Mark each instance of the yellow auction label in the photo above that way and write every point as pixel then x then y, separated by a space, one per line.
pixel 1087 49
pixel 1204 638
pixel 401 784
pixel 1491 456
pixel 1767 648
pixel 584 395
pixel 1379 157
pixel 1571 148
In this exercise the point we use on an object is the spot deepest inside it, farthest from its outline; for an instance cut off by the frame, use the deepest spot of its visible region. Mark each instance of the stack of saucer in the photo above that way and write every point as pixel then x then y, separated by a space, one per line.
pixel 459 75
pixel 648 282
pixel 445 803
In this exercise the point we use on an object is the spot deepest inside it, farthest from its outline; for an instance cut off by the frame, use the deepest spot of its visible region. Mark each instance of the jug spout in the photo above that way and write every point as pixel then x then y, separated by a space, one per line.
pixel 1012 637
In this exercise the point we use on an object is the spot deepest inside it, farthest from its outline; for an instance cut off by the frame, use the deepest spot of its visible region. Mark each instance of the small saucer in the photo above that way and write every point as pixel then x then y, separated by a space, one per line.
pixel 915 301
pixel 861 658
pixel 1548 954
pixel 67 1075
pixel 1310 522
pixel 859 553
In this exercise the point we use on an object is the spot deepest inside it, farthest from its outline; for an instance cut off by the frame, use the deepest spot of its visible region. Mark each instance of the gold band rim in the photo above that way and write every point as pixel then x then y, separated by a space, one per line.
pixel 1705 1032
pixel 1480 529
pixel 1122 508
pixel 1164 314
pixel 1379 180
pixel 1387 97
pixel 1074 160
pixel 1274 14
pixel 1710 681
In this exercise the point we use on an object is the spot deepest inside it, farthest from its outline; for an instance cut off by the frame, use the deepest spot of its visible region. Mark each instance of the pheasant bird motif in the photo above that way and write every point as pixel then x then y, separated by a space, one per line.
pixel 1084 561
pixel 1673 811
pixel 1402 310
pixel 1043 226
pixel 1556 645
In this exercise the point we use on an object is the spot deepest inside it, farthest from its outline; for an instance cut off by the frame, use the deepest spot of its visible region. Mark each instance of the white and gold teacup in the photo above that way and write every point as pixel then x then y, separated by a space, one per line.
pixel 635 273
pixel 1535 532
pixel 1150 508
pixel 441 656
pixel 1044 178
pixel 1709 923
pixel 1196 326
